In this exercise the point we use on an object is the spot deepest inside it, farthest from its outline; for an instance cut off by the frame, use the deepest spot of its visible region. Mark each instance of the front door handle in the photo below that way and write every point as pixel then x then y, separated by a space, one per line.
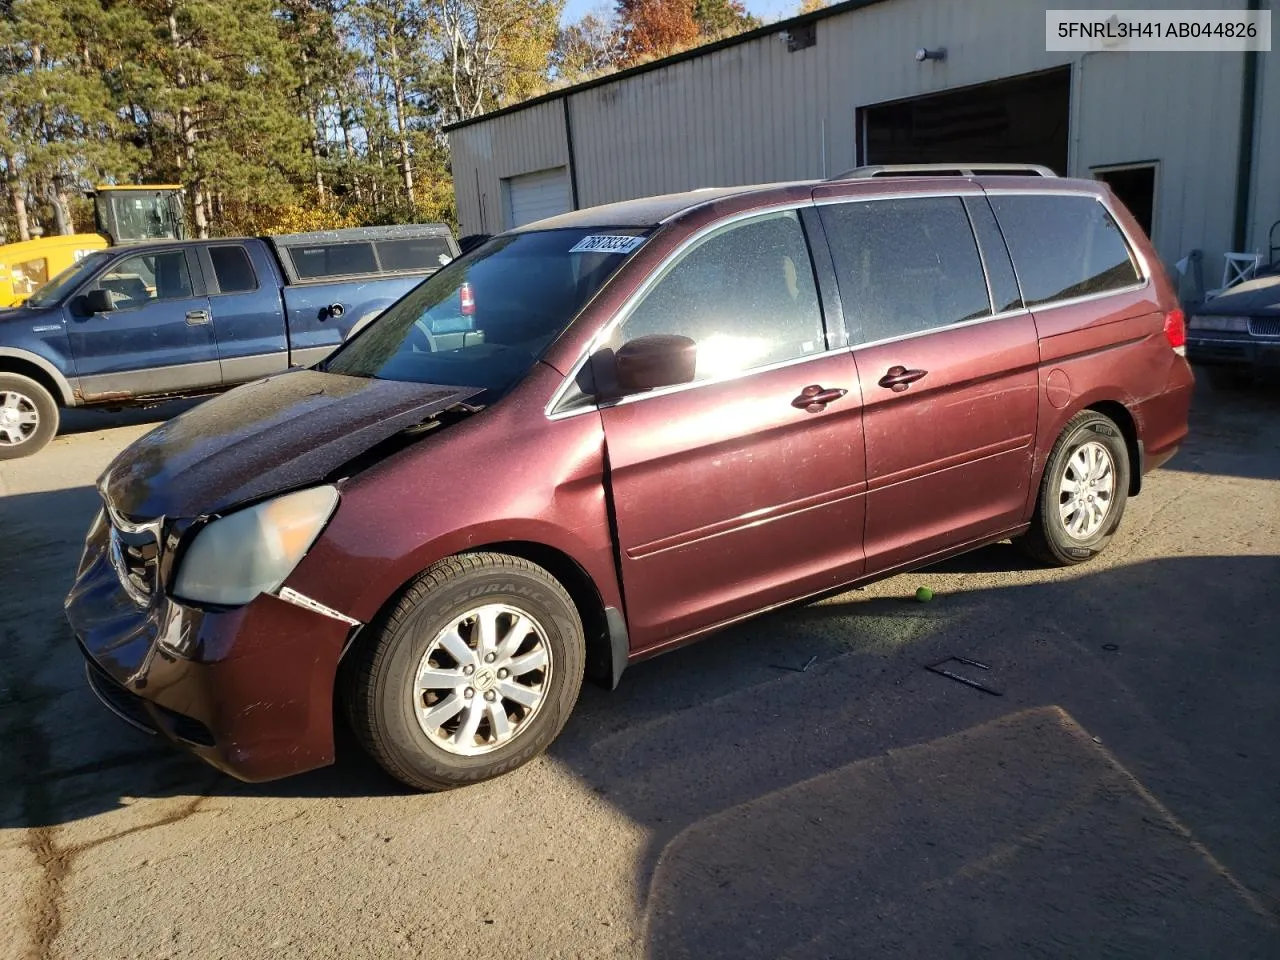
pixel 195 317
pixel 814 398
pixel 899 378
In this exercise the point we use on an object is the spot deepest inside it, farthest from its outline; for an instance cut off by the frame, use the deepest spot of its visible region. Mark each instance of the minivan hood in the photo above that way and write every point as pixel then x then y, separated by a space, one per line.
pixel 276 434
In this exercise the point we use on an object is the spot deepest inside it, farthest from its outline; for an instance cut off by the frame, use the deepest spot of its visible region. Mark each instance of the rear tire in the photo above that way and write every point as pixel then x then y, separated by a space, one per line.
pixel 471 674
pixel 28 416
pixel 1082 494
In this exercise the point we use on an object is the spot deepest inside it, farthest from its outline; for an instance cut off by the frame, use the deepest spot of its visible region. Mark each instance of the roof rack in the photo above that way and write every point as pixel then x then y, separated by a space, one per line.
pixel 945 170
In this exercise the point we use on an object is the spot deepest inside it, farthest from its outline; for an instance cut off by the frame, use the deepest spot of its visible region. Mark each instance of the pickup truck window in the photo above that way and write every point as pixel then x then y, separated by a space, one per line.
pixel 67 281
pixel 232 269
pixel 414 253
pixel 146 277
pixel 486 318
pixel 317 260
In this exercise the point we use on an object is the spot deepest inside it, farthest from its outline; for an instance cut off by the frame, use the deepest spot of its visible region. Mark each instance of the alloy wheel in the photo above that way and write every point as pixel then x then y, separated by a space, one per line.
pixel 482 679
pixel 1086 490
pixel 19 418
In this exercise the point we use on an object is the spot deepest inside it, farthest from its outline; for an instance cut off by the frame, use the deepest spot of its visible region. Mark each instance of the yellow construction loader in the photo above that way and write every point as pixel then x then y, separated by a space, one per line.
pixel 122 214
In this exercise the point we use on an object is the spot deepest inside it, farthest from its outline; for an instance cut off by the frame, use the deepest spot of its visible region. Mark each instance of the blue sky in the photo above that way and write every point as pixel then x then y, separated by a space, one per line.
pixel 764 9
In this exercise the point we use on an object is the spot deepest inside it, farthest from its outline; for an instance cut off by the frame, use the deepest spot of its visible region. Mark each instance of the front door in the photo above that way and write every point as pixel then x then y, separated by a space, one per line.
pixel 733 493
pixel 157 339
pixel 949 382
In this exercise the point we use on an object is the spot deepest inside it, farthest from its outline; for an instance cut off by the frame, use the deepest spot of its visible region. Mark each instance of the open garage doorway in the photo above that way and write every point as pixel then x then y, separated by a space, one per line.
pixel 1021 119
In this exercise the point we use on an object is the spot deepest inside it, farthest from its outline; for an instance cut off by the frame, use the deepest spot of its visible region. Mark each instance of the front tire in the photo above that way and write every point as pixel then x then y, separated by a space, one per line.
pixel 1082 494
pixel 28 416
pixel 470 675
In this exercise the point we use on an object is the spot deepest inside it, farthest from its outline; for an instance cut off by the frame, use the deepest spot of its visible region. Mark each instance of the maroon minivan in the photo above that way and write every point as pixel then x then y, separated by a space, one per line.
pixel 600 436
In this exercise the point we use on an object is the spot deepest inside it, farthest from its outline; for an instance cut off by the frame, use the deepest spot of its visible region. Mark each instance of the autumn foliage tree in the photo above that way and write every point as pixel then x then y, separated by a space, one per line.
pixel 655 28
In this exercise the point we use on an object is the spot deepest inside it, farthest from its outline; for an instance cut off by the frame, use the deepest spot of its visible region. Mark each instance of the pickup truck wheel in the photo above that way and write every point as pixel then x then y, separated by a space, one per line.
pixel 1082 493
pixel 471 674
pixel 28 416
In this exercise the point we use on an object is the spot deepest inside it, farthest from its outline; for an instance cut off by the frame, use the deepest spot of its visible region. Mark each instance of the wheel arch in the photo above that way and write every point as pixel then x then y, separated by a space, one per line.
pixel 371 313
pixel 604 628
pixel 601 630
pixel 1123 418
pixel 1120 413
pixel 41 371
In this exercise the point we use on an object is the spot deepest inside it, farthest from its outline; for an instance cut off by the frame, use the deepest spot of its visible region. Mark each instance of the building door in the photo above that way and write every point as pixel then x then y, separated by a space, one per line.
pixel 536 196
pixel 1021 119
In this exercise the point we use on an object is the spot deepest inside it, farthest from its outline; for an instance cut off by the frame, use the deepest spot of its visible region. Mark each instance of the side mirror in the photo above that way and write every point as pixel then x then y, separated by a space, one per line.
pixel 647 363
pixel 98 301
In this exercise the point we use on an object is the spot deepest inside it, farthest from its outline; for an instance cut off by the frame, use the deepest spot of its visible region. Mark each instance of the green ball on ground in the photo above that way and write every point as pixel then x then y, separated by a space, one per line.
pixel 924 594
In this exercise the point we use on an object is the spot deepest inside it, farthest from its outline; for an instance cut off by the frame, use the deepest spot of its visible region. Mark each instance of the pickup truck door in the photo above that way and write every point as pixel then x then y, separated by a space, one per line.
pixel 158 339
pixel 248 313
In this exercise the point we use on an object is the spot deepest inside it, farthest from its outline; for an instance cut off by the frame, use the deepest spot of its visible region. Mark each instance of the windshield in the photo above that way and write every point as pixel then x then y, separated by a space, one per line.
pixel 67 280
pixel 485 319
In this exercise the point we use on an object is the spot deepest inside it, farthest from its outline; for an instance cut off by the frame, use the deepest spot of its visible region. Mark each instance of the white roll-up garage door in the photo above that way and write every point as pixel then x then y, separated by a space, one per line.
pixel 535 196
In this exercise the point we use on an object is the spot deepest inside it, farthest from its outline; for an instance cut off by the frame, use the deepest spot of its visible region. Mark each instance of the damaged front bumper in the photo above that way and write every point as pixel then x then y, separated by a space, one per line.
pixel 249 689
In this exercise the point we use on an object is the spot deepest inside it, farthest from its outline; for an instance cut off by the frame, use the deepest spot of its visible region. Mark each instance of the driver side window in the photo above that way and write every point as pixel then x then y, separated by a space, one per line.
pixel 745 294
pixel 147 278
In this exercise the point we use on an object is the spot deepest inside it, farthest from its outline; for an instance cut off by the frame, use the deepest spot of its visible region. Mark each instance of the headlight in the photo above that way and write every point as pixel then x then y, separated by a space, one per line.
pixel 1210 322
pixel 252 551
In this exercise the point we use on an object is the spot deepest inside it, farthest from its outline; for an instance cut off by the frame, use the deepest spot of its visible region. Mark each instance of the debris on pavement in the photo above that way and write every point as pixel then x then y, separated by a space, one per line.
pixel 938 669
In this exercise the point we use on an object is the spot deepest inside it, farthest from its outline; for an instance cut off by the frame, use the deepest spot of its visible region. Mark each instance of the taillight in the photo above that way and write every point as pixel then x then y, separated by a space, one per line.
pixel 468 300
pixel 1175 330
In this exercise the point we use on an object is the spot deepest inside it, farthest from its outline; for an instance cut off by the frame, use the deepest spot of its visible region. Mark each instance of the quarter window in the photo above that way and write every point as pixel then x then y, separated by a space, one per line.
pixel 1063 247
pixel 905 266
pixel 745 294
pixel 143 279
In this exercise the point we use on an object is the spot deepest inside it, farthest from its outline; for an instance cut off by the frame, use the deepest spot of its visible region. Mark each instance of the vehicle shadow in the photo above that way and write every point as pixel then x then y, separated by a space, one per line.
pixel 1234 430
pixel 81 420
pixel 1104 795
pixel 808 788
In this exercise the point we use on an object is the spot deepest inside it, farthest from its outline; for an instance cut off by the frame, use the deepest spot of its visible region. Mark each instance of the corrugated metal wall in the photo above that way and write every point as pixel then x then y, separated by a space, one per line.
pixel 755 112
pixel 486 153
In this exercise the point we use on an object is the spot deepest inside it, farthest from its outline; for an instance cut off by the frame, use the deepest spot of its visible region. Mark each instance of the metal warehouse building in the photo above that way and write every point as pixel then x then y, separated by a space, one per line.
pixel 1190 141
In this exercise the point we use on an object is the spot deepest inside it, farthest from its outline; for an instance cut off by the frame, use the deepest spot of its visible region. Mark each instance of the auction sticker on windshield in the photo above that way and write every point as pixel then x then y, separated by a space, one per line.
pixel 603 243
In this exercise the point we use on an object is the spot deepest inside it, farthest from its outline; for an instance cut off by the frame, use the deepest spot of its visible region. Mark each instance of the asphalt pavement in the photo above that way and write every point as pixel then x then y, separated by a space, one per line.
pixel 799 786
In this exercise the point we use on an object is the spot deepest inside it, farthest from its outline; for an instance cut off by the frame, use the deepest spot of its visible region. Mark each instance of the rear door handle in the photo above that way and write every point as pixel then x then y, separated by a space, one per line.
pixel 814 398
pixel 899 378
pixel 195 317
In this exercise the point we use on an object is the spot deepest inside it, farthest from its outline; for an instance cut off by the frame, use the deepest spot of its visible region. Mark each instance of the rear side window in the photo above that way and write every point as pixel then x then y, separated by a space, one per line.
pixel 1063 247
pixel 745 294
pixel 905 266
pixel 232 269
pixel 414 253
pixel 313 261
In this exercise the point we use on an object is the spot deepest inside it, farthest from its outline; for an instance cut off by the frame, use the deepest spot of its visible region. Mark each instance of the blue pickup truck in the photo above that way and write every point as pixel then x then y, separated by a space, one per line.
pixel 145 322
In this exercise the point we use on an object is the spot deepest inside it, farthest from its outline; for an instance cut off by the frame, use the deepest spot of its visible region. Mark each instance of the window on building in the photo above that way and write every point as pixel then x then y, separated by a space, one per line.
pixel 1135 186
pixel 745 294
pixel 905 266
pixel 1063 247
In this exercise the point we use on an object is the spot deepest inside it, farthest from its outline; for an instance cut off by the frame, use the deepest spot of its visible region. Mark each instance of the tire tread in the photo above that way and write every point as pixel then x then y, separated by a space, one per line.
pixel 360 688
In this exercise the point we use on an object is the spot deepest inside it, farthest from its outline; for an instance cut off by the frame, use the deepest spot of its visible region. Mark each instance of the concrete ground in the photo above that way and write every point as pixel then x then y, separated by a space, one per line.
pixel 1117 798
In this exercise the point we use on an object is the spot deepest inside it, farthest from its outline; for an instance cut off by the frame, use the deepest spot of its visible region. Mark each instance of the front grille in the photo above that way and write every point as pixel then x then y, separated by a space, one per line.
pixel 135 555
pixel 1264 326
